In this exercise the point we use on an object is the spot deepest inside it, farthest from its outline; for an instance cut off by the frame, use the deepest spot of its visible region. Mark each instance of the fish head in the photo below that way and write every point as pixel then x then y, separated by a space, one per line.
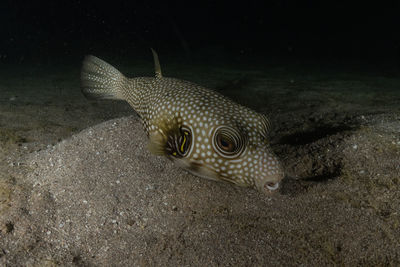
pixel 234 150
pixel 241 154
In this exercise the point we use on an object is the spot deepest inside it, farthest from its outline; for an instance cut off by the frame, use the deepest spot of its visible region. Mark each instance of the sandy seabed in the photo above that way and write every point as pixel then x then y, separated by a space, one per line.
pixel 78 187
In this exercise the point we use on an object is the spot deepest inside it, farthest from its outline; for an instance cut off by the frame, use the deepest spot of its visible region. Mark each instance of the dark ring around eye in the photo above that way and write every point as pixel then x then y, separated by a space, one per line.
pixel 228 142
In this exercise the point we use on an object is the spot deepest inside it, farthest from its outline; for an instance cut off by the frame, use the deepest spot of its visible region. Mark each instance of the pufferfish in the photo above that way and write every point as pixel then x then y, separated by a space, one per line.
pixel 199 129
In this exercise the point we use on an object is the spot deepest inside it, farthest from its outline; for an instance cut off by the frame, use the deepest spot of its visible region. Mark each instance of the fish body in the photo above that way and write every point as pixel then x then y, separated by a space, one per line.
pixel 199 129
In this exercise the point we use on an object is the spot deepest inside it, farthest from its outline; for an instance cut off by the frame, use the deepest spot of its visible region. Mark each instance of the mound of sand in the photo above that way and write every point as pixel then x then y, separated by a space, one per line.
pixel 99 198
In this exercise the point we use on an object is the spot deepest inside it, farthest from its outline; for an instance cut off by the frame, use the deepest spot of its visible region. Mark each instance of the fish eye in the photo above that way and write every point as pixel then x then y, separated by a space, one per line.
pixel 228 142
pixel 225 143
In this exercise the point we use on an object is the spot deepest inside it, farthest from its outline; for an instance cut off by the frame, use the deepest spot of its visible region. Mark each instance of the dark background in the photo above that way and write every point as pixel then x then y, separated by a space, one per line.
pixel 56 31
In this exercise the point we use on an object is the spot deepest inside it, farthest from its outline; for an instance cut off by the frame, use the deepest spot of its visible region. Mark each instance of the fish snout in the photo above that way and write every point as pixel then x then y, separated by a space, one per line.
pixel 270 181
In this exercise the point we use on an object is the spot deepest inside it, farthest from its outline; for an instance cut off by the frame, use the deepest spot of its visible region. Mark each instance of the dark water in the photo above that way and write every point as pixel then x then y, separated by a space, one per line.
pixel 53 32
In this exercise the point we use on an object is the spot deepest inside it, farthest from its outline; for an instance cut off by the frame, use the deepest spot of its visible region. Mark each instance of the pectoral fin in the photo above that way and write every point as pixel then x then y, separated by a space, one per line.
pixel 157 143
pixel 170 139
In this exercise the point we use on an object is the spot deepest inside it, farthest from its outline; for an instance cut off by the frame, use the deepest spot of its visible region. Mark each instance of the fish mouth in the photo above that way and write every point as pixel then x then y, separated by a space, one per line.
pixel 271 186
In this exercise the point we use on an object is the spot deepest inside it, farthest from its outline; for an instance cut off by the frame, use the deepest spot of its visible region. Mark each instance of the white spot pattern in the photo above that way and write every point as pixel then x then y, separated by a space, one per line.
pixel 161 96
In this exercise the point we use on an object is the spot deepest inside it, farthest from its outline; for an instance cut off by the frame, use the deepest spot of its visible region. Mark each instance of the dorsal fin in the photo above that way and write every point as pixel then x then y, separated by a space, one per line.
pixel 156 64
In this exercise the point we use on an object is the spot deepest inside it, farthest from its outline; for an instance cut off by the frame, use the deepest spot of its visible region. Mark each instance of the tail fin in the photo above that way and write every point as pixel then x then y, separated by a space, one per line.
pixel 101 80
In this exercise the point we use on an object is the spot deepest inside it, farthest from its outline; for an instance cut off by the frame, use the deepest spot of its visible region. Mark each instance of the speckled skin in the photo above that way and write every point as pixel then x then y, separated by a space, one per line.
pixel 226 141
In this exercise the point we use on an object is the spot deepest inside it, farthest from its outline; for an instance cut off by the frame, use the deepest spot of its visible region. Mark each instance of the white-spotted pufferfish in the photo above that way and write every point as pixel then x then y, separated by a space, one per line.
pixel 200 130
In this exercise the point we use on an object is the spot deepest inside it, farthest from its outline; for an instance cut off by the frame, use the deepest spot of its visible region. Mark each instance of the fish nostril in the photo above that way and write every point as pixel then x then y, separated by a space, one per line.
pixel 272 186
